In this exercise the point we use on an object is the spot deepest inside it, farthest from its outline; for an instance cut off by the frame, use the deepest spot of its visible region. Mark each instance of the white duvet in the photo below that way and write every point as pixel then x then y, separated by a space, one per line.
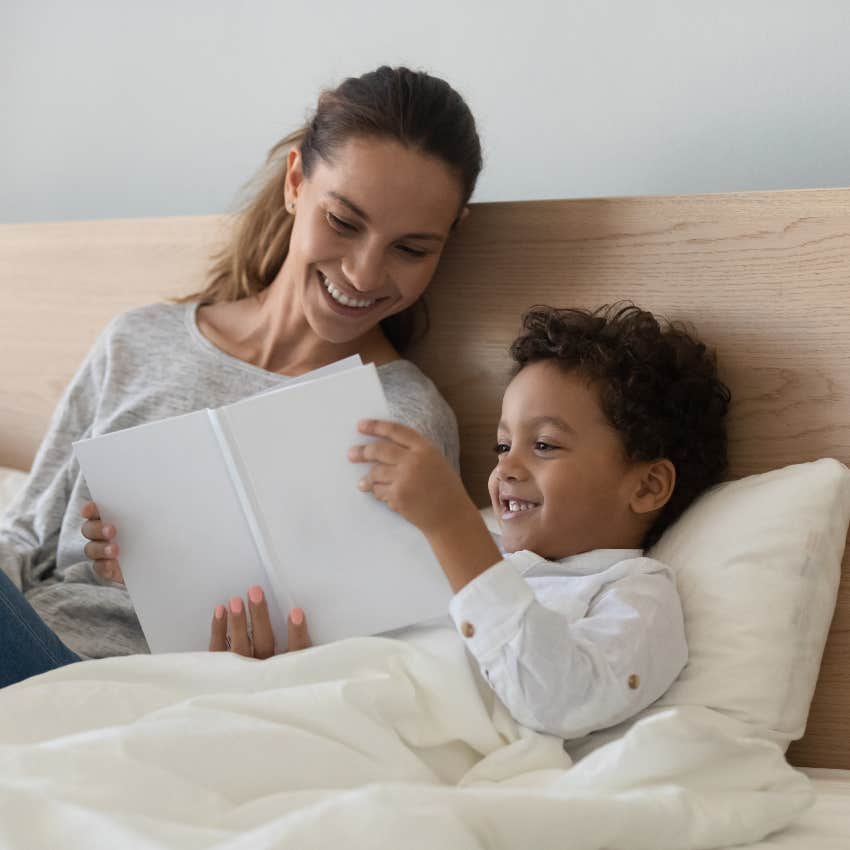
pixel 367 743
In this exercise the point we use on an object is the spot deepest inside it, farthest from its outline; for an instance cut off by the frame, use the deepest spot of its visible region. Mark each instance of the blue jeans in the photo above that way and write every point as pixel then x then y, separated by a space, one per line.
pixel 27 646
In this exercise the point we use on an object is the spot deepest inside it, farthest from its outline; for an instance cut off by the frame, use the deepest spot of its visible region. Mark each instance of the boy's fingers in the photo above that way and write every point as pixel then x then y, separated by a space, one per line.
pixel 296 628
pixel 237 626
pixel 400 434
pixel 380 451
pixel 261 625
pixel 218 630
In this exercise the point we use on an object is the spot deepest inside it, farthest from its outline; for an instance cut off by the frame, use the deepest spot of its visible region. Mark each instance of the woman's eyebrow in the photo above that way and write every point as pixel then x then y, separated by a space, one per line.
pixel 436 237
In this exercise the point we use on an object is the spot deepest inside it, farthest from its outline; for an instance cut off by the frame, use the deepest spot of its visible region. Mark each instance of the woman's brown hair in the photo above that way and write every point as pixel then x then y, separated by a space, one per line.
pixel 420 111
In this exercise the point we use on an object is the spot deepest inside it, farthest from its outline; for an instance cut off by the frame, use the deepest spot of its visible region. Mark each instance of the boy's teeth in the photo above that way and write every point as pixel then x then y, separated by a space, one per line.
pixel 514 506
pixel 338 295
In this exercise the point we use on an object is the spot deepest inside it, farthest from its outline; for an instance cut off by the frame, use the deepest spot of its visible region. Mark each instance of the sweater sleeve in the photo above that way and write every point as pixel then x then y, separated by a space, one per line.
pixel 570 676
pixel 29 530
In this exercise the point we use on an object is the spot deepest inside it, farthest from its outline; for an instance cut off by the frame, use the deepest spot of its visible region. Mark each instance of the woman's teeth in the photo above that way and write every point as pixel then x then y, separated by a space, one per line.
pixel 342 298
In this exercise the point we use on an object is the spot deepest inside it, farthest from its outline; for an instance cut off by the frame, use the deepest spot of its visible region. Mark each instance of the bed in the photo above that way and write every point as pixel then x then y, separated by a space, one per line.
pixel 765 277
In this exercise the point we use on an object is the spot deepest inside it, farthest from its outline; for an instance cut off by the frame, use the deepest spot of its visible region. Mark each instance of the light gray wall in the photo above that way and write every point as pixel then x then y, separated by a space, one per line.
pixel 124 108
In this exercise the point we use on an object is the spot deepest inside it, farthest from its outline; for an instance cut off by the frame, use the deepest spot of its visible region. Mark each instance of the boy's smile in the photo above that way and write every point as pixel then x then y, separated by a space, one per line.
pixel 562 483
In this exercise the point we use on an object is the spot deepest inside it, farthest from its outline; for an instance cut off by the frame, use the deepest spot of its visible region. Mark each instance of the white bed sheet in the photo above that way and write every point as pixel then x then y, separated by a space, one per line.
pixel 825 826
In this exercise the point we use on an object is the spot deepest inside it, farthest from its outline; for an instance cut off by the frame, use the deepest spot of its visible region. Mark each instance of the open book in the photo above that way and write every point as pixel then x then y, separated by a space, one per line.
pixel 261 492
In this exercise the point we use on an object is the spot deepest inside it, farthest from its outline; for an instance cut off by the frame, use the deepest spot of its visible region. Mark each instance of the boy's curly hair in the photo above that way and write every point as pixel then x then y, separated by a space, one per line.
pixel 657 385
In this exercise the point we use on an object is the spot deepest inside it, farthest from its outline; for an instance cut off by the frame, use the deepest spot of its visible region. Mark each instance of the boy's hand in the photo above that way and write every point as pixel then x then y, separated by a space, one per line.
pixel 411 475
pixel 229 628
pixel 101 549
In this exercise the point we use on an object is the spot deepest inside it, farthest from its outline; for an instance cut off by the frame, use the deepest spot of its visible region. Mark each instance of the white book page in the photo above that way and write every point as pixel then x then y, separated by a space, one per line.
pixel 352 564
pixel 184 543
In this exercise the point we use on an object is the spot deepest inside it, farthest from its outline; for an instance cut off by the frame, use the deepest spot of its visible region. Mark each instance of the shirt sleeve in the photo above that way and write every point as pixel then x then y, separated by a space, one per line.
pixel 29 531
pixel 566 676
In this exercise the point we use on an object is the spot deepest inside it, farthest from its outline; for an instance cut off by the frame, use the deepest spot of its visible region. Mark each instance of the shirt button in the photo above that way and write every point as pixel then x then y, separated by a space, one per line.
pixel 467 629
pixel 634 681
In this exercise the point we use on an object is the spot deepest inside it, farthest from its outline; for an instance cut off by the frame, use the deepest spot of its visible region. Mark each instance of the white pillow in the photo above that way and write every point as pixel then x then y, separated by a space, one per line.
pixel 758 561
pixel 11 480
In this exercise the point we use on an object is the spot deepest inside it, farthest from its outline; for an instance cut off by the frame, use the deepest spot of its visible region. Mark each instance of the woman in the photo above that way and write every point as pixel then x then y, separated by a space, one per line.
pixel 330 259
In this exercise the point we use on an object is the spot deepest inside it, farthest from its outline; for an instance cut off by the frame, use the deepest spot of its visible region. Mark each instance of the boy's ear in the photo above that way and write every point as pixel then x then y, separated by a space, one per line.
pixel 655 486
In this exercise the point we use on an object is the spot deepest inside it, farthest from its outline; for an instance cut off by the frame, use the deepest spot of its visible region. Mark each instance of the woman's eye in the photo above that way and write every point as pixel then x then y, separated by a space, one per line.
pixel 338 224
pixel 417 253
pixel 501 448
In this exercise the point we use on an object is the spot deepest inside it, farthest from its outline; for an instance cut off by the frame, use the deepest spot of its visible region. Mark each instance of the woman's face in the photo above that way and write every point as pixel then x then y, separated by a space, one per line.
pixel 370 226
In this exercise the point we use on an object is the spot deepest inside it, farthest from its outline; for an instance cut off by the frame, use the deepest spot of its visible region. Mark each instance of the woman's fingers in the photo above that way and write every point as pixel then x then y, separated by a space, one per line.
pixel 261 625
pixel 89 511
pixel 94 529
pixel 218 630
pixel 297 635
pixel 98 550
pixel 237 627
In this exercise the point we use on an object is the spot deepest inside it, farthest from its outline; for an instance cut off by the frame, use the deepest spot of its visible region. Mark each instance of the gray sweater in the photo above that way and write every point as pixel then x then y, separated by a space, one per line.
pixel 148 364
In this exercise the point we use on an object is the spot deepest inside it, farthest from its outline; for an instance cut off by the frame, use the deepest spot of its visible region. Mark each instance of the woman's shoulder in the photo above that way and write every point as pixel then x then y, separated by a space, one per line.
pixel 146 329
pixel 151 318
pixel 415 401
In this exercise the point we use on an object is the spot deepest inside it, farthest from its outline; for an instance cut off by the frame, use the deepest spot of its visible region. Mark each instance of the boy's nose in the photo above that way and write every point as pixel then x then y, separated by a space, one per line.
pixel 509 469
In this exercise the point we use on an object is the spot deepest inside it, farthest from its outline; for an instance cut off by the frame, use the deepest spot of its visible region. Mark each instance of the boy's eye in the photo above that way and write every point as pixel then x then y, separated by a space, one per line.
pixel 501 448
pixel 339 224
pixel 540 446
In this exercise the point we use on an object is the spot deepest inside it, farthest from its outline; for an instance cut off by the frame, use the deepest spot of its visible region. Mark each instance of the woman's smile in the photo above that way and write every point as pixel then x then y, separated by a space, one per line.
pixel 343 303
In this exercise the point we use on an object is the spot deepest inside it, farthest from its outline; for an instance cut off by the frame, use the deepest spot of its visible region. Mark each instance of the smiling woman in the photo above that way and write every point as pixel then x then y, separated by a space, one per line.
pixel 329 259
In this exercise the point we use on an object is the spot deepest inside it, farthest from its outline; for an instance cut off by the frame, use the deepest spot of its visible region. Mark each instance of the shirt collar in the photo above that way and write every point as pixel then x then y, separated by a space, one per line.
pixel 584 564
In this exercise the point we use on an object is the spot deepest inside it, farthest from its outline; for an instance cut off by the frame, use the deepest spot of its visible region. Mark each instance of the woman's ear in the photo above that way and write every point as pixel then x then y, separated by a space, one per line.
pixel 294 176
pixel 461 216
pixel 655 486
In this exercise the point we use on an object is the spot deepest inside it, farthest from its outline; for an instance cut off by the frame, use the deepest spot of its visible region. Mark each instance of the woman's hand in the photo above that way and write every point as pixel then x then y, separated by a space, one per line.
pixel 229 629
pixel 411 475
pixel 101 548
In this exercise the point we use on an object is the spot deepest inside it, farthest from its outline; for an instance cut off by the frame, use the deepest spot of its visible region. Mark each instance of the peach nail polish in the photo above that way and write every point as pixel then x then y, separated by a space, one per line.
pixel 297 616
pixel 236 605
pixel 219 612
pixel 255 594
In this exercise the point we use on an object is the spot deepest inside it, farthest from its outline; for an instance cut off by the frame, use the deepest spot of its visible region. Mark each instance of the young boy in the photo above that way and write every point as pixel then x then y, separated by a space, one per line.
pixel 610 428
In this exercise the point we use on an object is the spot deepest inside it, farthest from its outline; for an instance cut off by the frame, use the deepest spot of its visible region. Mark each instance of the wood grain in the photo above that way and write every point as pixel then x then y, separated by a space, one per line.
pixel 764 277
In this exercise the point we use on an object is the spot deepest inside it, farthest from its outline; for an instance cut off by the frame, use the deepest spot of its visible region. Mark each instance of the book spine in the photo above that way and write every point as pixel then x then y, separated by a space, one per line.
pixel 283 598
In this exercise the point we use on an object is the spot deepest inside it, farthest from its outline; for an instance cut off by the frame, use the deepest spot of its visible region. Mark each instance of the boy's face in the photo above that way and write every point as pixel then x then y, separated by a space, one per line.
pixel 562 484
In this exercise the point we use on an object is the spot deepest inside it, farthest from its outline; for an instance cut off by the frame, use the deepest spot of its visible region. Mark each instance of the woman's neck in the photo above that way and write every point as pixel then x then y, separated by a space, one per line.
pixel 269 330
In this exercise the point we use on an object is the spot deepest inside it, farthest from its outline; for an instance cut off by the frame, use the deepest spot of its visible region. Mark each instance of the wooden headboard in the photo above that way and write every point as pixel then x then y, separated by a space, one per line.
pixel 765 277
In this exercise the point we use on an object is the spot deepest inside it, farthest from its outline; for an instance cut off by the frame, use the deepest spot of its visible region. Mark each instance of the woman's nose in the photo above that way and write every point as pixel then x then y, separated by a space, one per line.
pixel 364 268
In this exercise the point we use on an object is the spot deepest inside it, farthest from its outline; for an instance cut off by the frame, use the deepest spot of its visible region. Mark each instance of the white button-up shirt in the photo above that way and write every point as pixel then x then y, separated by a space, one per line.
pixel 575 645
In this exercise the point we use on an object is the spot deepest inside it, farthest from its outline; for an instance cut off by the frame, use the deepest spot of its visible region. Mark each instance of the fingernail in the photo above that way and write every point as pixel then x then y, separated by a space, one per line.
pixel 109 551
pixel 219 612
pixel 255 594
pixel 363 484
pixel 108 530
pixel 236 605
pixel 297 616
